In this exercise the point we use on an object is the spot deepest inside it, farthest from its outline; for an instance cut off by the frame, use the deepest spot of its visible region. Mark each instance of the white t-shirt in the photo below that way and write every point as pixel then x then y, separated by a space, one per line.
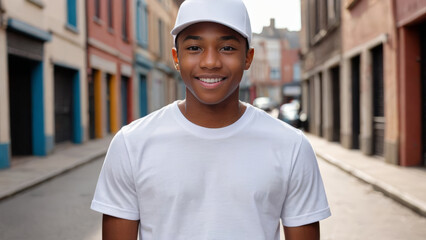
pixel 187 182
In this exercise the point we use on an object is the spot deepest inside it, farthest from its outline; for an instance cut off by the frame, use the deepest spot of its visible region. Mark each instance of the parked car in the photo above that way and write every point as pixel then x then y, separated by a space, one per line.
pixel 289 113
pixel 265 103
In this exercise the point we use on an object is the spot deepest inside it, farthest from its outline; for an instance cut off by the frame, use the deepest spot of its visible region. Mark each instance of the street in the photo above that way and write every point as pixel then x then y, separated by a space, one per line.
pixel 360 212
pixel 59 209
pixel 55 210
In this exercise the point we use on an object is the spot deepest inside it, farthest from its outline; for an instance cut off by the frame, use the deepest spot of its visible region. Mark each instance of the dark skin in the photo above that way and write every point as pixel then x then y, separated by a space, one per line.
pixel 208 51
pixel 119 229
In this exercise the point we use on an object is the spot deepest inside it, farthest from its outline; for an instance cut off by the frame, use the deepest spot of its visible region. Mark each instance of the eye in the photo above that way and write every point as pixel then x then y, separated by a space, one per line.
pixel 193 48
pixel 228 48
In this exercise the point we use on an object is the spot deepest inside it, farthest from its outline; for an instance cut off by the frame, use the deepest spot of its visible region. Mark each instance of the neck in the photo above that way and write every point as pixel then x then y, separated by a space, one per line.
pixel 212 115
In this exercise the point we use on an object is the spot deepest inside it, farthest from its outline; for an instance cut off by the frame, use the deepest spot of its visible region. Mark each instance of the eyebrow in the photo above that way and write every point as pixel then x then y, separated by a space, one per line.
pixel 191 37
pixel 231 37
pixel 224 38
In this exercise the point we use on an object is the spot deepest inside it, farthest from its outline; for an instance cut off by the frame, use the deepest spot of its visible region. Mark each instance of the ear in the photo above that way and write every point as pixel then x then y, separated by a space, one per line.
pixel 249 58
pixel 175 58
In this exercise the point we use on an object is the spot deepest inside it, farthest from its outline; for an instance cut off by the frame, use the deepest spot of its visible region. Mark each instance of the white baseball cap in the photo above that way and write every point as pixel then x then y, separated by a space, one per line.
pixel 231 13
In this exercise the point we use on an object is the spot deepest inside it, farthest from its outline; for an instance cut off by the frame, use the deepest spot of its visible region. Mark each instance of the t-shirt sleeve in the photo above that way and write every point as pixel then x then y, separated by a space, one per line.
pixel 306 201
pixel 115 192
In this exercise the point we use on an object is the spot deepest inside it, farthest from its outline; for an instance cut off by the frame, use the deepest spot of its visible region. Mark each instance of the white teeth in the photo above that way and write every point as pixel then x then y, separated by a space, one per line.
pixel 211 80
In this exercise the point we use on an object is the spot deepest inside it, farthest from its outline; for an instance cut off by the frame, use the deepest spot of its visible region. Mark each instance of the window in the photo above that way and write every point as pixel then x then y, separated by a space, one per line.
pixel 275 74
pixel 72 14
pixel 110 15
pixel 98 9
pixel 332 11
pixel 317 19
pixel 142 23
pixel 161 38
pixel 124 26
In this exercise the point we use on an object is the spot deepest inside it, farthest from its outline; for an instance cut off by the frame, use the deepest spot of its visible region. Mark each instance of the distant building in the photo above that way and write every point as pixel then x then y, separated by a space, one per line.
pixel 42 76
pixel 258 74
pixel 321 66
pixel 164 85
pixel 279 57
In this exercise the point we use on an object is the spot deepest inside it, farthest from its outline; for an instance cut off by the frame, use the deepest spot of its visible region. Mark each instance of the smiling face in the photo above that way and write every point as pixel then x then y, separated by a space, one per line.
pixel 211 59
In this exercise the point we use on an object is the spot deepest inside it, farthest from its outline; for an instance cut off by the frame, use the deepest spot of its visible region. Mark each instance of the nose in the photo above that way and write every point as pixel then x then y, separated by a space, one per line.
pixel 210 59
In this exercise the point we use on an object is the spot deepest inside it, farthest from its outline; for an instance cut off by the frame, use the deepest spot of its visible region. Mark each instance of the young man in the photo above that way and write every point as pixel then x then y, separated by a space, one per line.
pixel 210 167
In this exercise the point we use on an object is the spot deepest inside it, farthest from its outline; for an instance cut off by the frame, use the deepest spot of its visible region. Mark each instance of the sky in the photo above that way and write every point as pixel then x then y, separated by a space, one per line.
pixel 285 12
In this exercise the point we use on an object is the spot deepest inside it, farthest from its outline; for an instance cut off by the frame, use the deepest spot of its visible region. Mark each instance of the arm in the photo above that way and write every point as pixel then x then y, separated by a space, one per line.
pixel 305 232
pixel 119 229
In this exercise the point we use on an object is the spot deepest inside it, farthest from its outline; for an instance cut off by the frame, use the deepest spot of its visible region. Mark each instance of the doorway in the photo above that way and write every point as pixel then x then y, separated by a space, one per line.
pixel 143 95
pixel 335 85
pixel 422 31
pixel 64 105
pixel 109 87
pixel 378 101
pixel 20 106
pixel 124 100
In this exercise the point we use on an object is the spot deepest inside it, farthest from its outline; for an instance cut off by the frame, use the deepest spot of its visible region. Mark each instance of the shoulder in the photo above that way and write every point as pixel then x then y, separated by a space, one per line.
pixel 145 126
pixel 270 126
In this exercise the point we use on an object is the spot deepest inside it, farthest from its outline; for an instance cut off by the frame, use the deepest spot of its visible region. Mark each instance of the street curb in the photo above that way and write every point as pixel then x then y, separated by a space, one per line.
pixel 29 184
pixel 403 198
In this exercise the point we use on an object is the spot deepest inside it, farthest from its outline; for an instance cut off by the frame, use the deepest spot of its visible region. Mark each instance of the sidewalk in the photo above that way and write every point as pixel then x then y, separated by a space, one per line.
pixel 29 171
pixel 403 184
pixel 406 185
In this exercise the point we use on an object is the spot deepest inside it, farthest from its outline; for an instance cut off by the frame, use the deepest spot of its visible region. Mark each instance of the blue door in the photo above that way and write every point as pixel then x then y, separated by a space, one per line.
pixel 143 96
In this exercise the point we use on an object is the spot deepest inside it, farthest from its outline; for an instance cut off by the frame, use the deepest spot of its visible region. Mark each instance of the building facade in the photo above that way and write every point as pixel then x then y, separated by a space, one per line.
pixel 36 71
pixel 381 77
pixel 321 49
pixel 411 66
pixel 281 48
pixel 163 87
pixel 157 82
pixel 369 78
pixel 110 65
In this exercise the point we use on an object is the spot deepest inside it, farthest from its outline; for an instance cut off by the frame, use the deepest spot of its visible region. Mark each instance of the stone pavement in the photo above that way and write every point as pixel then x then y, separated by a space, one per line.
pixel 406 185
pixel 29 171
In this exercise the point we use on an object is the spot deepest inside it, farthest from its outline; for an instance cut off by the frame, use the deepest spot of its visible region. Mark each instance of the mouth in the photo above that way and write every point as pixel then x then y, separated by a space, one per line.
pixel 211 80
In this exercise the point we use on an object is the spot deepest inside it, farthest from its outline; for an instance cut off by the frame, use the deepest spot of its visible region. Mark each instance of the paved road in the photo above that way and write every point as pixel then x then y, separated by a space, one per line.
pixel 360 212
pixel 59 209
pixel 55 210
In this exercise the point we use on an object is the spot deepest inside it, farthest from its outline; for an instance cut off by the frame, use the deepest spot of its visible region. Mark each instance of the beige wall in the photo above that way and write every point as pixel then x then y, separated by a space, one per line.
pixel 67 47
pixel 26 11
pixel 158 10
pixel 160 85
pixel 4 93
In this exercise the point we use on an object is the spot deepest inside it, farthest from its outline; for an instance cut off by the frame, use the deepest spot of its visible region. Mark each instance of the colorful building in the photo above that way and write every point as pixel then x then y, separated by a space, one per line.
pixel 157 83
pixel 37 71
pixel 110 65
